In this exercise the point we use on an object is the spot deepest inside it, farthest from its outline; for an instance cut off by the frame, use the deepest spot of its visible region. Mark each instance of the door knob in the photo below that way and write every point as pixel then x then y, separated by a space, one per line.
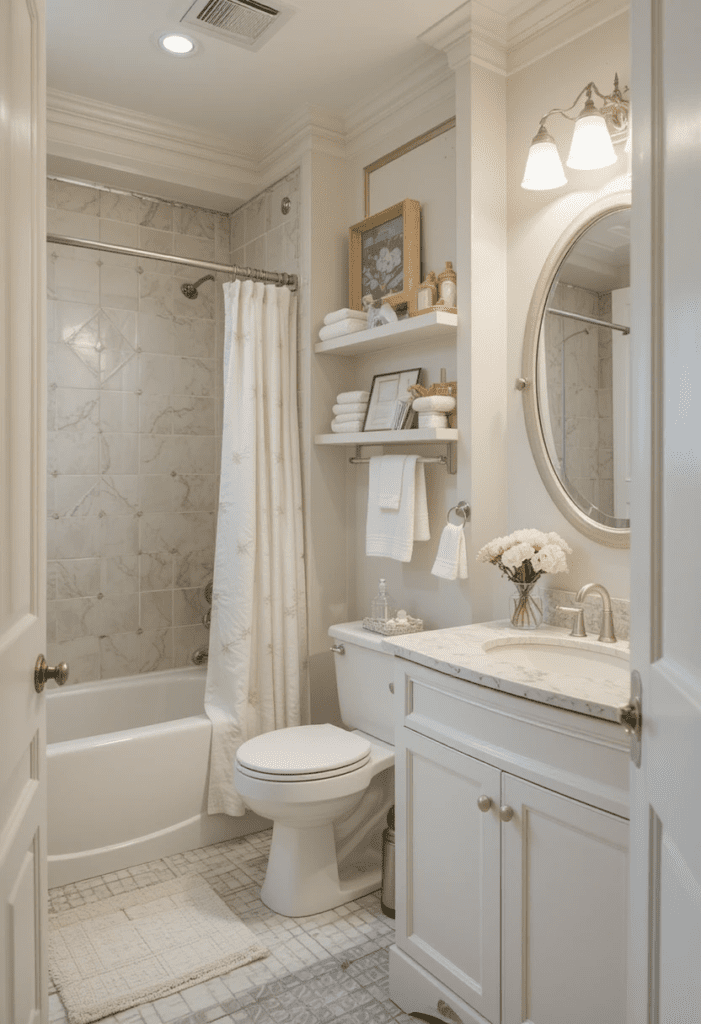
pixel 484 803
pixel 506 813
pixel 42 672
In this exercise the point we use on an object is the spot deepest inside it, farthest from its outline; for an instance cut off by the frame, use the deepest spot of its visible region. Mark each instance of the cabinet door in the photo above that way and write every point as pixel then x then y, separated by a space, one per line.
pixel 565 877
pixel 448 854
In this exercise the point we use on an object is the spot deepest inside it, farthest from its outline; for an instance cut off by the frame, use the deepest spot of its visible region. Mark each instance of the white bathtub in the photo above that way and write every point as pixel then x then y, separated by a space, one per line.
pixel 127 763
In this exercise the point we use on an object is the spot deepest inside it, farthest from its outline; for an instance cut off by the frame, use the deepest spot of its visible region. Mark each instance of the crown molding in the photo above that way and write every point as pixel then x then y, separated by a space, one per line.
pixel 430 81
pixel 536 30
pixel 473 32
pixel 96 133
pixel 312 130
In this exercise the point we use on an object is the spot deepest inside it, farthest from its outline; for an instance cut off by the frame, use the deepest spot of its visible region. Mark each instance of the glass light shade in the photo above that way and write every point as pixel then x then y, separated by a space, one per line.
pixel 591 143
pixel 543 167
pixel 177 44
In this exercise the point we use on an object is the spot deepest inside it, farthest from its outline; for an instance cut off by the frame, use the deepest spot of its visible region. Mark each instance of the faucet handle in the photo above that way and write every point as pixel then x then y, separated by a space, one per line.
pixel 578 622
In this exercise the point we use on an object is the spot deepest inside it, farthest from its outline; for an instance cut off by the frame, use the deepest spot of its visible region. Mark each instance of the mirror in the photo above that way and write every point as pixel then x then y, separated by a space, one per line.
pixel 576 369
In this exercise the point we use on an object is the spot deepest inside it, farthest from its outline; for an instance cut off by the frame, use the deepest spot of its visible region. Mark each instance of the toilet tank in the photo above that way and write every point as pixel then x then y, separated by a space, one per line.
pixel 363 676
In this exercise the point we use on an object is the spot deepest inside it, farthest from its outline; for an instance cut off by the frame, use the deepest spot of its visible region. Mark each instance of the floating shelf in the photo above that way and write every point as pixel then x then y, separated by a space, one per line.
pixel 421 435
pixel 436 326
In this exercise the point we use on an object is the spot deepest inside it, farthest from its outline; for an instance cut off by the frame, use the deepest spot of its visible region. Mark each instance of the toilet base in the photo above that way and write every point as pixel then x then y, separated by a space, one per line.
pixel 302 875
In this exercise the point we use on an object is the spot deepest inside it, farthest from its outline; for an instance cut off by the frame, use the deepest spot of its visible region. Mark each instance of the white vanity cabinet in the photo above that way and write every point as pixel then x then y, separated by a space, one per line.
pixel 511 860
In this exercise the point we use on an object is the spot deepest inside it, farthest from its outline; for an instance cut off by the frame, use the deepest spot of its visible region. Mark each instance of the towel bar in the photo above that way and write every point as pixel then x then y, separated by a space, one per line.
pixel 448 460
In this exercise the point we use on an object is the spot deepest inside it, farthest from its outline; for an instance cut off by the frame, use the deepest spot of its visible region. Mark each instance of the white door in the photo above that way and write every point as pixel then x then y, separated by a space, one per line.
pixel 448 868
pixel 665 932
pixel 564 907
pixel 23 974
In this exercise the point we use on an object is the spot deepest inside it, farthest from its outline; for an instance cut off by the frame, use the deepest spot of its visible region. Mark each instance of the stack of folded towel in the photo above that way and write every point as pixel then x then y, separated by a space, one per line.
pixel 349 412
pixel 343 321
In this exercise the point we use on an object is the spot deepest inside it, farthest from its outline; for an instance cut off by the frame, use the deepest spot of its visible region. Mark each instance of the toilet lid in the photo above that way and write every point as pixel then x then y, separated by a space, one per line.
pixel 304 750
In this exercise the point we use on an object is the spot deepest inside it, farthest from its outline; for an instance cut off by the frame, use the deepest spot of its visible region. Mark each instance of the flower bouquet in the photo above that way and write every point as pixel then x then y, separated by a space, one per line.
pixel 524 556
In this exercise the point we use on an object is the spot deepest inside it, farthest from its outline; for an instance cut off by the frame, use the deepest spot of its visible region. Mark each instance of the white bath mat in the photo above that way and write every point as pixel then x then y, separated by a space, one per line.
pixel 142 945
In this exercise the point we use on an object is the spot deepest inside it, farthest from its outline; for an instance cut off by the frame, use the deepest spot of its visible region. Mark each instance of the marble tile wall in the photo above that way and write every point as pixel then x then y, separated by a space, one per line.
pixel 585 445
pixel 134 419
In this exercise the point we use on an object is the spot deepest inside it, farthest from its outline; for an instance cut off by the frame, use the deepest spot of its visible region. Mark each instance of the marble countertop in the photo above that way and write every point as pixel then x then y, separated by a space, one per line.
pixel 460 651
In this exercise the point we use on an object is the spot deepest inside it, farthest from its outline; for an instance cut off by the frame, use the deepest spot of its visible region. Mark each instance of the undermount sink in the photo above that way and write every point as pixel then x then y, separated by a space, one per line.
pixel 561 658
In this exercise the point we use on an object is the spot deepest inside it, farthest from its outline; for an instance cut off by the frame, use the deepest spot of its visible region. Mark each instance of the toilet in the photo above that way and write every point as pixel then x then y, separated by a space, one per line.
pixel 327 790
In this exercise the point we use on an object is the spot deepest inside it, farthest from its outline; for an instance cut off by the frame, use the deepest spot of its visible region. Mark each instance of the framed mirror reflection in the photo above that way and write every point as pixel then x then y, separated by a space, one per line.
pixel 576 364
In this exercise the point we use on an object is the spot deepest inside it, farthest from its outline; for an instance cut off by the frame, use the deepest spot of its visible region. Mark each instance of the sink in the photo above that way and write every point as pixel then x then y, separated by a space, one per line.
pixel 561 658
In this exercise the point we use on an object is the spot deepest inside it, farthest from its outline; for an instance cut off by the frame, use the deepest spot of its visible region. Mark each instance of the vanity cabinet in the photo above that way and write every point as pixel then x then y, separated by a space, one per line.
pixel 512 853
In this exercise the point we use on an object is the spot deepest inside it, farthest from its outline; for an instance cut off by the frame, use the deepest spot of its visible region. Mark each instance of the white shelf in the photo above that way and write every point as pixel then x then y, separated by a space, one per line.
pixel 436 326
pixel 421 435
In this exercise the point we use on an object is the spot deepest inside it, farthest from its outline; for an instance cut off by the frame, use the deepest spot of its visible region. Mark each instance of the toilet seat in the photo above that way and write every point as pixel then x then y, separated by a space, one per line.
pixel 303 753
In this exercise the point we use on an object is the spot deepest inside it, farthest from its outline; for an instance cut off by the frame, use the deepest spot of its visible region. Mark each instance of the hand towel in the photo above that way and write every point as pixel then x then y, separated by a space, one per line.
pixel 337 330
pixel 352 396
pixel 390 533
pixel 348 407
pixel 346 417
pixel 451 559
pixel 345 314
pixel 351 427
pixel 391 474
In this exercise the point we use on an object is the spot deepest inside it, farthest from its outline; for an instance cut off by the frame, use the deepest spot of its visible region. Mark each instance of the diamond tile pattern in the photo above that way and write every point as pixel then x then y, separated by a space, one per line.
pixel 102 346
pixel 331 968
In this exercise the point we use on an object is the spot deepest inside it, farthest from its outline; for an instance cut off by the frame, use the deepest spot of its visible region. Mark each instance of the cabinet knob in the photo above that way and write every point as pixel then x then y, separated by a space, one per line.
pixel 42 672
pixel 484 803
pixel 506 813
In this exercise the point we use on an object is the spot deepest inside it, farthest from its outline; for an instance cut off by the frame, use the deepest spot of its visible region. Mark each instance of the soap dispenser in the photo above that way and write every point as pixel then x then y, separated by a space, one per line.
pixel 382 605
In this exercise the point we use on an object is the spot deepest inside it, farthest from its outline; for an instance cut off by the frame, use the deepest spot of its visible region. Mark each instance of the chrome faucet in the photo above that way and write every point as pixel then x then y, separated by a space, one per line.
pixel 607 635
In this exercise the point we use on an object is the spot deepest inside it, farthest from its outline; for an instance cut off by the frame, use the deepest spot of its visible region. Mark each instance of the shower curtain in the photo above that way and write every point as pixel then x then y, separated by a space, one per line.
pixel 258 635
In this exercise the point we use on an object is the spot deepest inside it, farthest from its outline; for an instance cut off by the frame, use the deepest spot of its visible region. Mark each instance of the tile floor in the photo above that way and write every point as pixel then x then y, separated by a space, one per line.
pixel 331 968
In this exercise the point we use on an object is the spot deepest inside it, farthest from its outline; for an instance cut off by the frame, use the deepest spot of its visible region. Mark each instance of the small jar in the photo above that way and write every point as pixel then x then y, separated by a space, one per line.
pixel 427 293
pixel 448 286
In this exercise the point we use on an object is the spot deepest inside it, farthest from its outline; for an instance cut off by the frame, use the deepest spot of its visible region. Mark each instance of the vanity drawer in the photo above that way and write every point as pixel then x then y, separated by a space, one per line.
pixel 580 756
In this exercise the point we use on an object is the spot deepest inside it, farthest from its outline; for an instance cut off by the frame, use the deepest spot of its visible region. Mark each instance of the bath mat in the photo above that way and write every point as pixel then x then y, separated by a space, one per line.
pixel 142 945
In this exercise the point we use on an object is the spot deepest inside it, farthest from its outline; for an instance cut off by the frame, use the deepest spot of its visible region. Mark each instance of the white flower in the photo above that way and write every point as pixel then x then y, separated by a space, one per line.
pixel 533 537
pixel 550 558
pixel 517 555
pixel 492 550
pixel 555 538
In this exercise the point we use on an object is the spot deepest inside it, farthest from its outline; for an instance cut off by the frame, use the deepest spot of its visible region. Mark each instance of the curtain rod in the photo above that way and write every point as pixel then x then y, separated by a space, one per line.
pixel 250 273
pixel 589 320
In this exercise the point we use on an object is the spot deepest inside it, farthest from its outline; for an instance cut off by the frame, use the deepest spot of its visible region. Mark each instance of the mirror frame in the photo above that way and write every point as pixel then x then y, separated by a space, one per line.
pixel 615 537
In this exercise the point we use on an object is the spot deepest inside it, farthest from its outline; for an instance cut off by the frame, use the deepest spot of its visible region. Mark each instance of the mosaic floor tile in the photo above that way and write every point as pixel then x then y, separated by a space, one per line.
pixel 329 968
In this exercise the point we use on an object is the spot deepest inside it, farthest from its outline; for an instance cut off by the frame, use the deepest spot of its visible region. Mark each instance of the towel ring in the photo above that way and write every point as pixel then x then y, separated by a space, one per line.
pixel 461 509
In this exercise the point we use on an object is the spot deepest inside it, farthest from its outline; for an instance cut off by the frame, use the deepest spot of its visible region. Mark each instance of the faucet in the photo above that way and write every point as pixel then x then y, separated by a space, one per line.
pixel 607 635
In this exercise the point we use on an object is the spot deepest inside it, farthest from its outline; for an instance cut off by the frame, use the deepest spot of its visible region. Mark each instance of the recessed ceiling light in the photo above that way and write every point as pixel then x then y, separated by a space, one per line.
pixel 177 44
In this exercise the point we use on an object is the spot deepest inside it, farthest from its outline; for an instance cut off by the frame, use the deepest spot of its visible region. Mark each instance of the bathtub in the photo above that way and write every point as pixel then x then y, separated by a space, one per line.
pixel 127 765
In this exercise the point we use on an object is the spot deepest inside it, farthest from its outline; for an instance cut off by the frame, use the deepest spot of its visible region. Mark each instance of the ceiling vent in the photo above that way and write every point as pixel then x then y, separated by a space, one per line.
pixel 246 23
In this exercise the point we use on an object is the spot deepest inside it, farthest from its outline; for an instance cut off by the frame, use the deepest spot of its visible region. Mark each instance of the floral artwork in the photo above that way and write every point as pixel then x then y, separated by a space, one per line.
pixel 382 258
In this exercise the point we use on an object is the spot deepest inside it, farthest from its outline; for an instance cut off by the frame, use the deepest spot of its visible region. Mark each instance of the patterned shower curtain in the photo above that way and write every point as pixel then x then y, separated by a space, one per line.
pixel 258 635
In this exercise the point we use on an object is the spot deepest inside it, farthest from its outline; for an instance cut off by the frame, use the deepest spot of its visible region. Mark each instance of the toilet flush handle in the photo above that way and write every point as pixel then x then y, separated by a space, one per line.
pixel 338 649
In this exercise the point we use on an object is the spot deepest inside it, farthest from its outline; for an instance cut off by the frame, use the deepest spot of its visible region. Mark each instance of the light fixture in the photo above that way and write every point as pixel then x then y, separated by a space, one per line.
pixel 595 131
pixel 177 44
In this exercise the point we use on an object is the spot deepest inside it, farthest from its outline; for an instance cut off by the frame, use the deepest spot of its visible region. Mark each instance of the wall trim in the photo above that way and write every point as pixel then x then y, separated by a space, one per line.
pixel 550 24
pixel 473 32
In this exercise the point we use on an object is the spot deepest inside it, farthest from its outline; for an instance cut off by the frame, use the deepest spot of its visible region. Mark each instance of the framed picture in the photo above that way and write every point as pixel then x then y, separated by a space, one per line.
pixel 384 255
pixel 388 389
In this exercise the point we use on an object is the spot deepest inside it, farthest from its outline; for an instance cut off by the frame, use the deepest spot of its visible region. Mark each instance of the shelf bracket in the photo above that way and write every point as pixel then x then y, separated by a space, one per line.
pixel 449 460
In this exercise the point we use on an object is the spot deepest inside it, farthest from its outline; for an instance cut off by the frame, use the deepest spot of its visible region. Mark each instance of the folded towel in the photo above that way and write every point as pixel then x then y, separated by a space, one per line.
pixel 337 330
pixel 347 397
pixel 350 427
pixel 345 314
pixel 391 474
pixel 347 417
pixel 390 533
pixel 451 559
pixel 350 407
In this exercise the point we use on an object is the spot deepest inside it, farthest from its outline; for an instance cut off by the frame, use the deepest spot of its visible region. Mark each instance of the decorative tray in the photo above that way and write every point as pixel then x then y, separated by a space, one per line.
pixel 392 627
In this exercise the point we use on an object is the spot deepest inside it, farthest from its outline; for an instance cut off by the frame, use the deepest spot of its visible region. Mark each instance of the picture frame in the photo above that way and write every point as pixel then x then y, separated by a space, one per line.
pixel 387 389
pixel 384 255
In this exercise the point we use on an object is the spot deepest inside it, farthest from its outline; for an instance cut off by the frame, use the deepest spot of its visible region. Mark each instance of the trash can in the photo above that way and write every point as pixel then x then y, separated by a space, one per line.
pixel 387 894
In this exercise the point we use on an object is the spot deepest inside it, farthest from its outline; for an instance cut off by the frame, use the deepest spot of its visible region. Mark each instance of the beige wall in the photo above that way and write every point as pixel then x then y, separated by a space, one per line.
pixel 536 222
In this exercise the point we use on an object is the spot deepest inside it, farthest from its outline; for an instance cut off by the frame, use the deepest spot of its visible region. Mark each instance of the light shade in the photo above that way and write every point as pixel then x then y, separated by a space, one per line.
pixel 543 167
pixel 177 44
pixel 591 143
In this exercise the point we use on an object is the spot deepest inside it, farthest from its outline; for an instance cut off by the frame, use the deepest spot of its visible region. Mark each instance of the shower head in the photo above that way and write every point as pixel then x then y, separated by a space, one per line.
pixel 190 290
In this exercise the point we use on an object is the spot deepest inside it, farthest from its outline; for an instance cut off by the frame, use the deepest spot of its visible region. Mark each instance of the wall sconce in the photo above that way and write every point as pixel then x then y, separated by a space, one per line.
pixel 595 131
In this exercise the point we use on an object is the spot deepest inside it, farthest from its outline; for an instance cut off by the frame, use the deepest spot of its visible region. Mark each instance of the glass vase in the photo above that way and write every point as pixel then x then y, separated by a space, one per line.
pixel 526 608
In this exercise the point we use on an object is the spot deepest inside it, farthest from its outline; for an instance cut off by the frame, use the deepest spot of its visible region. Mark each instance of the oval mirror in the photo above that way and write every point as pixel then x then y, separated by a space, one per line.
pixel 576 373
